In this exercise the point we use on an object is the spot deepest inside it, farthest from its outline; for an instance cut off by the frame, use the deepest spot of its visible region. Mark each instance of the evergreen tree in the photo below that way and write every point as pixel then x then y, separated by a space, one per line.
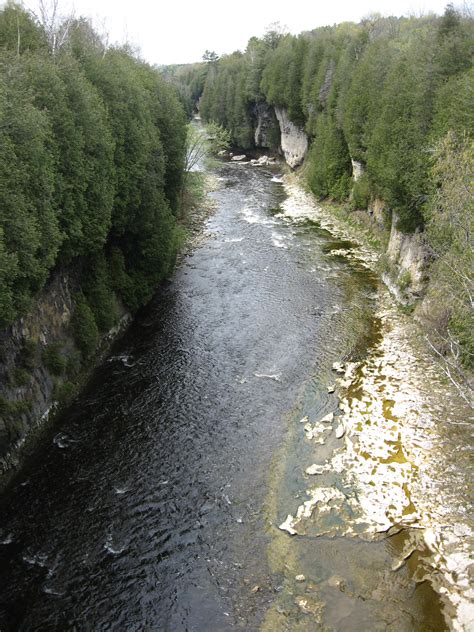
pixel 92 154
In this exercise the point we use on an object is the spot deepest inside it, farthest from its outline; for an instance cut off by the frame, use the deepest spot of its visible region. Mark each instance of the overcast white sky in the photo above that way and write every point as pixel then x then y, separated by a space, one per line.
pixel 174 31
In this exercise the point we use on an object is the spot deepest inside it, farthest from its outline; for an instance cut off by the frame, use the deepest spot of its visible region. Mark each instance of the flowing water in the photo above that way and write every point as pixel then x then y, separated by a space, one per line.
pixel 155 504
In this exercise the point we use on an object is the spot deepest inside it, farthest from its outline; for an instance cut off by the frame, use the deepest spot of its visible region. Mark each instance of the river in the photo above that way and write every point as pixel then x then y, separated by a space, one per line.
pixel 155 503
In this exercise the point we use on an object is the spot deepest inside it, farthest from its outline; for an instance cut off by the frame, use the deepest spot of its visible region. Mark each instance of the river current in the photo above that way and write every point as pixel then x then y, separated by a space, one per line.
pixel 155 502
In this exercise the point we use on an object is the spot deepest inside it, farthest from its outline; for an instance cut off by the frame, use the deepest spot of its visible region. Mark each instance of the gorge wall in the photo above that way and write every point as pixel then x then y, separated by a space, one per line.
pixel 41 365
pixel 406 256
pixel 275 131
pixel 294 141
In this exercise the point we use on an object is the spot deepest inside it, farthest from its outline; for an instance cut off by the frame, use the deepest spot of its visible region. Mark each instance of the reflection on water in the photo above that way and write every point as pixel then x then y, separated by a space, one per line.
pixel 155 505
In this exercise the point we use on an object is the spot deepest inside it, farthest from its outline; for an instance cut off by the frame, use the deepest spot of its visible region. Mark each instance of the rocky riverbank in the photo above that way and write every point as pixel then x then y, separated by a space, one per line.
pixel 401 442
pixel 40 365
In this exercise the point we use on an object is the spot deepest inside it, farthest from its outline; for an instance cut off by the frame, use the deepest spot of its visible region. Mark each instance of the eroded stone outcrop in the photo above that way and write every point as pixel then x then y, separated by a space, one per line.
pixel 408 255
pixel 294 142
pixel 357 170
pixel 267 131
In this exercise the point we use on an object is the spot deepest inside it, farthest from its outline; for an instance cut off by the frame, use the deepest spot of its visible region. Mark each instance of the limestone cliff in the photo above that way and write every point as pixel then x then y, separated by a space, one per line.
pixel 294 141
pixel 406 256
pixel 357 170
pixel 409 257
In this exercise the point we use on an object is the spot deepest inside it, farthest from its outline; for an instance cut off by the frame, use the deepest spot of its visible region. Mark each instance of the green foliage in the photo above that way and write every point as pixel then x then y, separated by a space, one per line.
pixel 453 106
pixel 97 287
pixel 64 391
pixel 19 31
pixel 7 407
pixel 84 327
pixel 29 229
pixel 21 377
pixel 382 92
pixel 225 101
pixel 450 228
pixel 397 159
pixel 454 43
pixel 361 193
pixel 450 221
pixel 189 81
pixel 329 163
pixel 219 138
pixel 404 280
pixel 201 144
pixel 363 99
pixel 281 78
pixel 93 150
pixel 461 326
pixel 53 360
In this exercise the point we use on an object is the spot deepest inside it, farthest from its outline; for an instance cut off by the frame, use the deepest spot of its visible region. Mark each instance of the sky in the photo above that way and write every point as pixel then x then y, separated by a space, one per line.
pixel 175 32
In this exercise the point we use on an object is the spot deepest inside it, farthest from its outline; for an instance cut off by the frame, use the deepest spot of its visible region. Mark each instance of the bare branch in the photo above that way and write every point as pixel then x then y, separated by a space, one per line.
pixel 464 389
pixel 56 27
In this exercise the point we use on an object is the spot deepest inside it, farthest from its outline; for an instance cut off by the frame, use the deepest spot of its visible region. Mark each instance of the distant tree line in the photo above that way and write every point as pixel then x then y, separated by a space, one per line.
pixel 92 149
pixel 381 92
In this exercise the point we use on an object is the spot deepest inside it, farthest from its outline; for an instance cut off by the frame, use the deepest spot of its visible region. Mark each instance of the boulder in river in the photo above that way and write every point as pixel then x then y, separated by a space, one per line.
pixel 263 161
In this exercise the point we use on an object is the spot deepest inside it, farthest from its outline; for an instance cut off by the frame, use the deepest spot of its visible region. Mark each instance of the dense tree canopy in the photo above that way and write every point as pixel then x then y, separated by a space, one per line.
pixel 381 92
pixel 92 149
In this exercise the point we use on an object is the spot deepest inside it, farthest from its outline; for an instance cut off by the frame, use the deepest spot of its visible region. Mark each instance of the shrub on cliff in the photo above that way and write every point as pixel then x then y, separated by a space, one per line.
pixel 84 327
pixel 360 193
pixel 97 288
pixel 54 361
pixel 449 235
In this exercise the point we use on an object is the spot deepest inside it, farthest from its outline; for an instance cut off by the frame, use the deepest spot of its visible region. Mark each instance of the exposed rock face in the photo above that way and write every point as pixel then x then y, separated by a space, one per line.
pixel 294 142
pixel 327 84
pixel 28 387
pixel 267 130
pixel 377 209
pixel 26 384
pixel 409 256
pixel 357 170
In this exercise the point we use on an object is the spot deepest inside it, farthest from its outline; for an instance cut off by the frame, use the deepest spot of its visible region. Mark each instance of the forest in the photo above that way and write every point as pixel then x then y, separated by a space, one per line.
pixel 395 96
pixel 93 146
pixel 91 165
pixel 381 92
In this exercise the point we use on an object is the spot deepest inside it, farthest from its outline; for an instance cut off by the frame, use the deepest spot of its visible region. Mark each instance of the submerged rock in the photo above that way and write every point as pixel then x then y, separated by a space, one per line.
pixel 288 525
pixel 263 161
pixel 315 469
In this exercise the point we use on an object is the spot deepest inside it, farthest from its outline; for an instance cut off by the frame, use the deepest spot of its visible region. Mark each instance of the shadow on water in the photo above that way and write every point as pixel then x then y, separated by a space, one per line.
pixel 144 509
